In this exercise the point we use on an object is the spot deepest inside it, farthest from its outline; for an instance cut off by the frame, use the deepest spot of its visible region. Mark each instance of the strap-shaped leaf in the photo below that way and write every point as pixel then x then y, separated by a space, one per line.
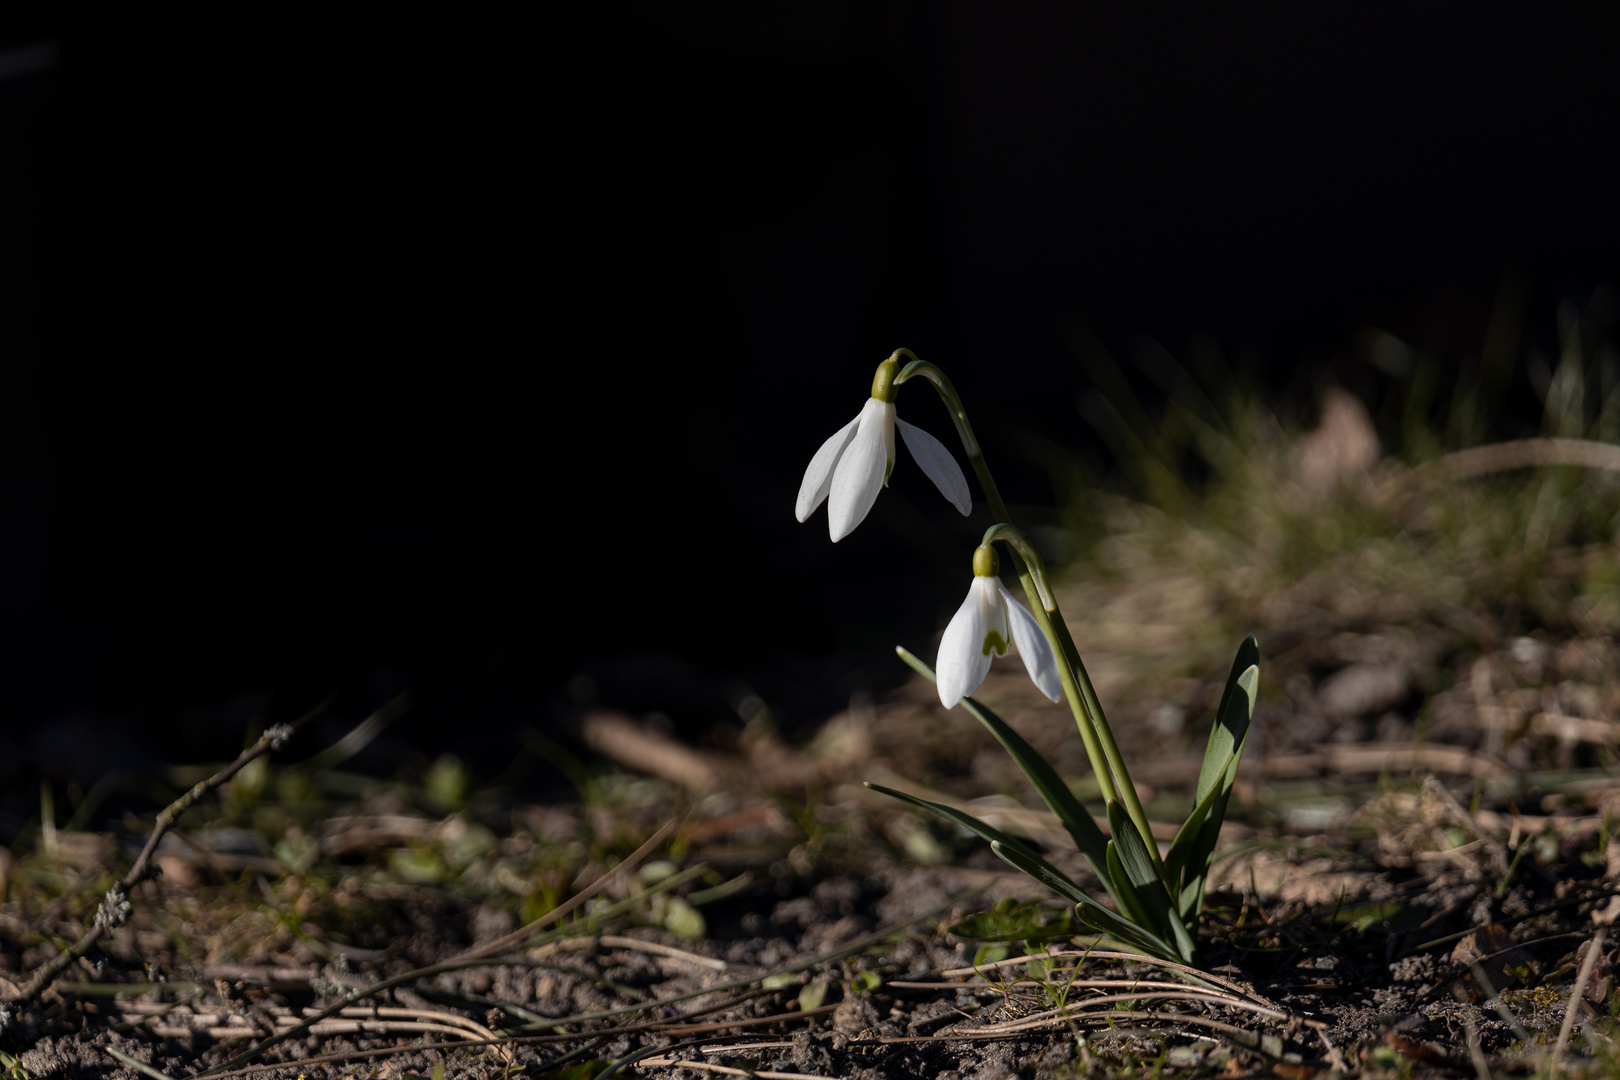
pixel 1224 738
pixel 1049 875
pixel 1089 911
pixel 1194 847
pixel 1182 844
pixel 1128 858
pixel 1130 900
pixel 1056 794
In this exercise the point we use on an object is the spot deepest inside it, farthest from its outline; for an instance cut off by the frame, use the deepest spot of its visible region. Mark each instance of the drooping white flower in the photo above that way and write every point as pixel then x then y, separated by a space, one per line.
pixel 850 468
pixel 987 621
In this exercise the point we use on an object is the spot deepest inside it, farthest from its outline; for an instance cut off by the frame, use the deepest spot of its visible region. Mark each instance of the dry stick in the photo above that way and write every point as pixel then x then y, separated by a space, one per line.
pixel 114 909
pixel 1581 977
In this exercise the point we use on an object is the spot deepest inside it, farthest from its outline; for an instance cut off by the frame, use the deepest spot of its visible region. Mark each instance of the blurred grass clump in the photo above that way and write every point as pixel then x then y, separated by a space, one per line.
pixel 1403 518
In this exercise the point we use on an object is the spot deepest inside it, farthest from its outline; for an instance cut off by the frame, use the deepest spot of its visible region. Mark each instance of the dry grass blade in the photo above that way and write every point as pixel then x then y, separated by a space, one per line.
pixel 1077 984
pixel 1524 454
pixel 1213 981
pixel 616 941
pixel 763 1074
pixel 1593 951
pixel 1055 1016
pixel 756 1021
pixel 1498 850
pixel 139 1066
pixel 114 909
pixel 1477 1055
pixel 522 933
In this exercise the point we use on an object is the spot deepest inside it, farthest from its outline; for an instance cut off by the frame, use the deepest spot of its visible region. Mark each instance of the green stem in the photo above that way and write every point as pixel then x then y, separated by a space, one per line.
pixel 1076 682
pixel 1073 690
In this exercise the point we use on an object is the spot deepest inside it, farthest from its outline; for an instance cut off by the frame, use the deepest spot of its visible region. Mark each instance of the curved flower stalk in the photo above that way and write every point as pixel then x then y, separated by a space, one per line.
pixel 988 620
pixel 1157 896
pixel 852 466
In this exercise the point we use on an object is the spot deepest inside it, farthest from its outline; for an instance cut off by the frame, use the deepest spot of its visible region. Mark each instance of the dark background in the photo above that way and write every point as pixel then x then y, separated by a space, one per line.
pixel 349 351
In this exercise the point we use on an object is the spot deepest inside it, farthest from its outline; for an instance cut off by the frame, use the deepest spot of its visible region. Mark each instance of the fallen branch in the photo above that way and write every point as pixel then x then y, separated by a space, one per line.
pixel 114 909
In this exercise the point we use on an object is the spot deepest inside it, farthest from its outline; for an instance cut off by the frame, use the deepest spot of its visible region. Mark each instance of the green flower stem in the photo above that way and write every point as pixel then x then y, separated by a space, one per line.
pixel 1076 682
pixel 1101 749
pixel 1074 691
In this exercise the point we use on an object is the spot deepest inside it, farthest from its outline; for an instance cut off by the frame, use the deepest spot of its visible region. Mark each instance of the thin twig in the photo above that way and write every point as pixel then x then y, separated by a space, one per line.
pixel 709 1066
pixel 722 1025
pixel 1335 1058
pixel 1079 1008
pixel 523 933
pixel 1496 1003
pixel 1498 850
pixel 138 1066
pixel 114 909
pixel 1587 963
pixel 1477 1055
pixel 614 941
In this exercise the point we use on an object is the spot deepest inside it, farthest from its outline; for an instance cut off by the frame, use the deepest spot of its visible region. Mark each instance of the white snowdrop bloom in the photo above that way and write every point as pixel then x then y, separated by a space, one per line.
pixel 855 463
pixel 986 622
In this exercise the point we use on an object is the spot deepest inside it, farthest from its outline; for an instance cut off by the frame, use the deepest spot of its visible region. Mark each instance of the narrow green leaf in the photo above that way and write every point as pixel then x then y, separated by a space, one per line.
pixel 1056 794
pixel 1181 846
pixel 1131 847
pixel 1049 875
pixel 1232 728
pixel 1089 911
pixel 961 817
pixel 1130 900
pixel 1223 740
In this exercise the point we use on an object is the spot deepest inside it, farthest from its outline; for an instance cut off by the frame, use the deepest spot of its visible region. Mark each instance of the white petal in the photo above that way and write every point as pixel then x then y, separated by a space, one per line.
pixel 938 463
pixel 861 470
pixel 1033 648
pixel 818 477
pixel 962 663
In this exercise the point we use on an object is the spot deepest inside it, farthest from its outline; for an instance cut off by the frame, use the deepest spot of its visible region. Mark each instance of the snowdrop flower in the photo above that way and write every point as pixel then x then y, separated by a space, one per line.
pixel 983 625
pixel 851 466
